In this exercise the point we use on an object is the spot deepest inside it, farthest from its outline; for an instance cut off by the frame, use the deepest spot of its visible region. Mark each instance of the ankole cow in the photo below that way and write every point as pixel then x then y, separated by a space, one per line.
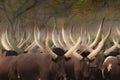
pixel 111 68
pixel 44 66
pixel 77 67
pixel 80 67
pixel 8 55
pixel 111 65
pixel 7 58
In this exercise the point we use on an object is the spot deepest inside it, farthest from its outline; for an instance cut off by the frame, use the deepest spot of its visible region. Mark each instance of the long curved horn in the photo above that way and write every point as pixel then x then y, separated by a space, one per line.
pixel 118 31
pixel 111 48
pixel 74 48
pixel 94 52
pixel 6 37
pixel 108 34
pixel 61 41
pixel 88 48
pixel 85 47
pixel 85 38
pixel 94 43
pixel 71 38
pixel 21 40
pixel 99 47
pixel 21 35
pixel 118 45
pixel 77 55
pixel 84 41
pixel 49 51
pixel 22 44
pixel 36 37
pixel 89 39
pixel 4 43
pixel 54 39
pixel 31 46
pixel 65 38
pixel 12 45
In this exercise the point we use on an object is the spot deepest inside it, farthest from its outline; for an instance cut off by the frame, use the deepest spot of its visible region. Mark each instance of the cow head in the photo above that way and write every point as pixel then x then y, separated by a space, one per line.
pixel 61 59
pixel 58 56
pixel 59 62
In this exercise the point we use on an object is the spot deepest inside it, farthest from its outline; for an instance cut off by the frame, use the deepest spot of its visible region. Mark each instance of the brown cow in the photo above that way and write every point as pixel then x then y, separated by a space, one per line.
pixel 30 66
pixel 97 63
pixel 6 60
pixel 5 64
pixel 111 68
pixel 45 66
pixel 75 66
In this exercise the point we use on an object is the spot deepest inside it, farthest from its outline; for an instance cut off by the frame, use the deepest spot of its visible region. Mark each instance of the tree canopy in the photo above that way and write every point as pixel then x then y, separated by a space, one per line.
pixel 31 12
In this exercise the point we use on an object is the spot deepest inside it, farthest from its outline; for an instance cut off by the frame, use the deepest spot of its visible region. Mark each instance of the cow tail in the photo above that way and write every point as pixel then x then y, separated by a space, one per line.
pixel 13 72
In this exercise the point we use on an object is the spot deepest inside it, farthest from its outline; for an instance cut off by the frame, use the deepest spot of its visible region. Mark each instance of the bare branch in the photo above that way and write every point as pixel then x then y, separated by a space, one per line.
pixel 22 6
pixel 5 12
pixel 25 10
pixel 71 5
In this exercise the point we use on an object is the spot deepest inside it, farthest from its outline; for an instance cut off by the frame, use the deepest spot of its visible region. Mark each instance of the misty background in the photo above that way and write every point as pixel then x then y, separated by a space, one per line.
pixel 44 13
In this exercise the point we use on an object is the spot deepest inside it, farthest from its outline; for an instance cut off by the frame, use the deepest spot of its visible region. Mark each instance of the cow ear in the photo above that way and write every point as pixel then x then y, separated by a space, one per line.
pixel 68 58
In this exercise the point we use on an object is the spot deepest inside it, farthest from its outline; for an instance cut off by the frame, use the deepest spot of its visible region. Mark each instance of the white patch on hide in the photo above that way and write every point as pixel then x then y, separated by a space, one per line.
pixel 39 79
pixel 18 76
pixel 109 67
pixel 107 59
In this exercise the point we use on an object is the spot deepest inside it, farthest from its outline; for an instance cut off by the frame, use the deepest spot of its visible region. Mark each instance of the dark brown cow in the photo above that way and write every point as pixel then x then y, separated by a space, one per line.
pixel 111 68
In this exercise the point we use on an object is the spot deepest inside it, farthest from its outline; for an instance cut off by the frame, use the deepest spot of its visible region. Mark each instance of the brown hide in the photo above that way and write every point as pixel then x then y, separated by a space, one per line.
pixel 97 64
pixel 89 69
pixel 5 64
pixel 118 57
pixel 82 69
pixel 69 68
pixel 95 67
pixel 111 68
pixel 57 67
pixel 30 66
pixel 76 69
pixel 79 70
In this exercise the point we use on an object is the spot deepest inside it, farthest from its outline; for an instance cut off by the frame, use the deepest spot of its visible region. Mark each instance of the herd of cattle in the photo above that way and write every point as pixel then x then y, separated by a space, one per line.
pixel 67 59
